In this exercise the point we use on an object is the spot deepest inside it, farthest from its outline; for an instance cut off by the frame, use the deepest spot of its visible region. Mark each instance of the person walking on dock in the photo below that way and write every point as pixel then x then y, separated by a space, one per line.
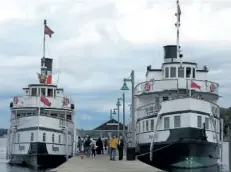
pixel 121 148
pixel 87 146
pixel 113 142
pixel 105 144
pixel 79 145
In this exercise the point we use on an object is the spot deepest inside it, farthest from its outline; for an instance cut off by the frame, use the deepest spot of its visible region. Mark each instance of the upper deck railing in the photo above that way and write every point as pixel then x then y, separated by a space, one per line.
pixel 176 84
pixel 46 102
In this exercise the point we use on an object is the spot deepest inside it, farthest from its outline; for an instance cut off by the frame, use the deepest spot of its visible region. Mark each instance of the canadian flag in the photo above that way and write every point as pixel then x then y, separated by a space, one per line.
pixel 195 85
pixel 45 101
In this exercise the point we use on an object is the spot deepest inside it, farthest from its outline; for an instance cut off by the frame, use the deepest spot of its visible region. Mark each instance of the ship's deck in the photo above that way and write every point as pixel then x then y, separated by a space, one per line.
pixel 101 163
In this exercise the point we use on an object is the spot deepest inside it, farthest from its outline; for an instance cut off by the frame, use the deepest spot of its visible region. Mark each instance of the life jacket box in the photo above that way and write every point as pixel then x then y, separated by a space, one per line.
pixel 131 153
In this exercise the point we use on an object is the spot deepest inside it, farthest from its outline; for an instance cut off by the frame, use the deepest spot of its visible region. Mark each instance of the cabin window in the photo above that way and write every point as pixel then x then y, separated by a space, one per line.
pixel 18 138
pixel 173 72
pixel 165 98
pixel 215 125
pixel 188 72
pixel 139 127
pixel 194 72
pixel 207 123
pixel 62 116
pixel 69 117
pixel 44 137
pixel 43 91
pixel 54 93
pixel 53 138
pixel 166 123
pixel 152 125
pixel 54 115
pixel 32 137
pixel 59 138
pixel 147 126
pixel 166 72
pixel 34 92
pixel 181 72
pixel 176 121
pixel 50 92
pixel 143 127
pixel 199 121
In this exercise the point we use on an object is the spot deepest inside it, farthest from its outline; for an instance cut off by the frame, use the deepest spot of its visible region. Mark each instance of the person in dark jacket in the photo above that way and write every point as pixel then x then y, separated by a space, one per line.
pixel 121 148
pixel 87 146
pixel 99 145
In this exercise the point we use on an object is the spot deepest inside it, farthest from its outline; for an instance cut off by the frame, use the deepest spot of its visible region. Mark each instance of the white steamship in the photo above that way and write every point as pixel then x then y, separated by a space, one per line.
pixel 177 116
pixel 42 123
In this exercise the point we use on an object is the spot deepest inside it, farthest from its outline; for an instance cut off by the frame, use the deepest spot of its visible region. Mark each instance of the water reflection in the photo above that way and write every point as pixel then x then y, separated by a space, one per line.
pixel 5 167
pixel 216 168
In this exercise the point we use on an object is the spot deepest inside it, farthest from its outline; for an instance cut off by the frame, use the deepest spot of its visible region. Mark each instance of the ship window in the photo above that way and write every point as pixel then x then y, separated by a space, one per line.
pixel 199 121
pixel 32 137
pixel 44 137
pixel 173 72
pixel 176 121
pixel 139 127
pixel 54 93
pixel 165 98
pixel 18 138
pixel 43 91
pixel 166 123
pixel 194 72
pixel 59 138
pixel 68 117
pixel 152 125
pixel 215 125
pixel 181 72
pixel 143 127
pixel 147 126
pixel 34 92
pixel 54 115
pixel 166 72
pixel 207 123
pixel 53 138
pixel 188 72
pixel 50 92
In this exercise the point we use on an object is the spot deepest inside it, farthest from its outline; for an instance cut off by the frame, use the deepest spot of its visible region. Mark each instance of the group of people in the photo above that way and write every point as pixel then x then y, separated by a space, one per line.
pixel 91 147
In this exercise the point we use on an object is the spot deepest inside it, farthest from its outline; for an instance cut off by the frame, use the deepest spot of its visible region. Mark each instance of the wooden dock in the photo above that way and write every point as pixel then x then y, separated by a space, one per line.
pixel 102 163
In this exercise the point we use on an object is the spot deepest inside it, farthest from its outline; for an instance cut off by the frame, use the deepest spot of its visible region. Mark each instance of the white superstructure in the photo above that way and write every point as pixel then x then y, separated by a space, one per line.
pixel 42 123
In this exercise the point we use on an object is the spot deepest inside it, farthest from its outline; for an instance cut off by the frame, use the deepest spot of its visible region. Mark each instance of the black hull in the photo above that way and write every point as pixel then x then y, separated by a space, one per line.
pixel 38 157
pixel 184 148
pixel 38 161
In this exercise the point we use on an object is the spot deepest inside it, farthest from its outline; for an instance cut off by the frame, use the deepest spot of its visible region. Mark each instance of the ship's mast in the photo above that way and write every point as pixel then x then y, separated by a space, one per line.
pixel 178 14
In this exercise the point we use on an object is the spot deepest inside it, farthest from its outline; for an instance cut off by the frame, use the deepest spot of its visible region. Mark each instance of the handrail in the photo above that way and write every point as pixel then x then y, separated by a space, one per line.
pixel 140 88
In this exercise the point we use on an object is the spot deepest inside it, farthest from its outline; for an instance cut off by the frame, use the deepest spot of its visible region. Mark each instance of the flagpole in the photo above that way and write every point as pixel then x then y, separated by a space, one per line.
pixel 44 39
pixel 178 30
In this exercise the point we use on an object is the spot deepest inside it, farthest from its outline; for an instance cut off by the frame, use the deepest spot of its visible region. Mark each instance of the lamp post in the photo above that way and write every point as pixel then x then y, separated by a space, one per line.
pixel 114 113
pixel 123 99
pixel 125 87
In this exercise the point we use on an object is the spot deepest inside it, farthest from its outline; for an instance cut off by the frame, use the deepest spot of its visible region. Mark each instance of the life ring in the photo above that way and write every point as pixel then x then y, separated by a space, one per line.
pixel 15 100
pixel 66 101
pixel 212 87
pixel 147 86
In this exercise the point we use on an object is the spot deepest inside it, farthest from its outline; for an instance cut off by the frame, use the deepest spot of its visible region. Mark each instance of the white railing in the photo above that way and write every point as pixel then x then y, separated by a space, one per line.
pixel 33 101
pixel 176 84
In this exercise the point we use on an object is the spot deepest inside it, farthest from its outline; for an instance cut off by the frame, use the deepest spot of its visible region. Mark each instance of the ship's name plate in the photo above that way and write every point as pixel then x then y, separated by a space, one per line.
pixel 55 149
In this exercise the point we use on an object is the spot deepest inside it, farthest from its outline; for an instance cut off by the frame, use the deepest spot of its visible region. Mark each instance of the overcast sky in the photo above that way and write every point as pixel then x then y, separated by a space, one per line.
pixel 98 42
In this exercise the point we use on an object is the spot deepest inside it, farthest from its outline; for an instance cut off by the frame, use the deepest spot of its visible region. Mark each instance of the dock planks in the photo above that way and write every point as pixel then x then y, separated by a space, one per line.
pixel 102 163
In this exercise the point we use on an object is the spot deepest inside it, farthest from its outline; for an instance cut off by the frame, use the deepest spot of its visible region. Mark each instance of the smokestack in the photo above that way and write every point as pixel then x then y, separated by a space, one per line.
pixel 47 62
